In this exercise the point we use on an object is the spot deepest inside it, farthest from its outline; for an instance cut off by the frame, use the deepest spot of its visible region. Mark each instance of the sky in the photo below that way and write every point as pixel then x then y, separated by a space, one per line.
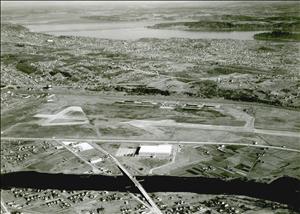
pixel 75 3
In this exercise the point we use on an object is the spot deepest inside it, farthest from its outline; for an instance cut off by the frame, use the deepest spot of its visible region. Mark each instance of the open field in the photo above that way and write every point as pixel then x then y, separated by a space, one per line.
pixel 272 118
pixel 238 161
pixel 35 130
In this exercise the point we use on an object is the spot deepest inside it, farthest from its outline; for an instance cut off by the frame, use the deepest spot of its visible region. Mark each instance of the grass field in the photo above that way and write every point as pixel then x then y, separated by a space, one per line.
pixel 277 119
pixel 37 131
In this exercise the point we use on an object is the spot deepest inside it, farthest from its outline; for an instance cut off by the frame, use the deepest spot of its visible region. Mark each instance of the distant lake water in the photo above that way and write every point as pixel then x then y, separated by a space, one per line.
pixel 131 31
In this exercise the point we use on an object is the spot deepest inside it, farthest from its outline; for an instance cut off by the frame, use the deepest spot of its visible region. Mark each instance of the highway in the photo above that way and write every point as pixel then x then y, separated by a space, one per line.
pixel 154 207
pixel 97 140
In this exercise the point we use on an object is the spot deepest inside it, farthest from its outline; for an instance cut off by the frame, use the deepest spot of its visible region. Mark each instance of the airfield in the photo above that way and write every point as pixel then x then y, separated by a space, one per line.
pixel 132 121
pixel 147 118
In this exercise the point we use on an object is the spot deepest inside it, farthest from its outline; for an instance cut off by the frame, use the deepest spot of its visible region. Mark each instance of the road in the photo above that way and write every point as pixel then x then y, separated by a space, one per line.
pixel 5 210
pixel 141 201
pixel 154 142
pixel 154 207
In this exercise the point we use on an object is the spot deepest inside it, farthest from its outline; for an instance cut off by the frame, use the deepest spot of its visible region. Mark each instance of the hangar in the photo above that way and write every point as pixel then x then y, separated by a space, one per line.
pixel 155 150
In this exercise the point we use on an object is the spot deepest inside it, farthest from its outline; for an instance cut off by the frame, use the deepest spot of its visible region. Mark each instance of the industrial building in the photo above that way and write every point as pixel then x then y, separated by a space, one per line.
pixel 155 150
pixel 126 151
pixel 83 147
pixel 96 159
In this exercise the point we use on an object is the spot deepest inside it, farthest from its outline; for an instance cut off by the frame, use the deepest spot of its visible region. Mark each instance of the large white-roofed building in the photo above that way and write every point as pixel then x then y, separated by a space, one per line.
pixel 83 146
pixel 96 159
pixel 155 150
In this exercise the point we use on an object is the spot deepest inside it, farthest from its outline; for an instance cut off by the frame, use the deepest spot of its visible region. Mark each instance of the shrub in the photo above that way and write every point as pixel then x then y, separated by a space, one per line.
pixel 26 67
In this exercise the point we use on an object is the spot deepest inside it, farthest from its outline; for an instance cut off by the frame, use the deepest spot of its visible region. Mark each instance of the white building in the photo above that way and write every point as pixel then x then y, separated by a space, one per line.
pixel 83 147
pixel 59 147
pixel 96 159
pixel 125 151
pixel 167 106
pixel 68 143
pixel 155 150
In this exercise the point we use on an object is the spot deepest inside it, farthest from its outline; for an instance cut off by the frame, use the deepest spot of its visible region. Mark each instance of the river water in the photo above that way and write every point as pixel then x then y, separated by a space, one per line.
pixel 131 31
pixel 284 190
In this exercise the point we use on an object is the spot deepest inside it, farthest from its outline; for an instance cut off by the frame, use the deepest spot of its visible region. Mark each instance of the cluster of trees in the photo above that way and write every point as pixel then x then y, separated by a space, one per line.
pixel 140 90
pixel 26 67
pixel 210 89
pixel 278 35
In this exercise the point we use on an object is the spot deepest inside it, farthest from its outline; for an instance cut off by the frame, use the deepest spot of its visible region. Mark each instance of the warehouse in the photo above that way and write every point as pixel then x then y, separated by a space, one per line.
pixel 95 159
pixel 155 150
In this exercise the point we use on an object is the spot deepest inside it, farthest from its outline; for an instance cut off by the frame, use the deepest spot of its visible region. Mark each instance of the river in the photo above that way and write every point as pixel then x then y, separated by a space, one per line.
pixel 131 31
pixel 284 190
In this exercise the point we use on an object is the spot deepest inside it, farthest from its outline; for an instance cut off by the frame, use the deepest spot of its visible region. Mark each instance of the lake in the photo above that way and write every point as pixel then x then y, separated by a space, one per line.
pixel 131 31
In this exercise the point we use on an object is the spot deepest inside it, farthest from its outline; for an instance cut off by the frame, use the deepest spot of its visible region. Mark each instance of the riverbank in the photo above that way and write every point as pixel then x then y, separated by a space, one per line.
pixel 236 22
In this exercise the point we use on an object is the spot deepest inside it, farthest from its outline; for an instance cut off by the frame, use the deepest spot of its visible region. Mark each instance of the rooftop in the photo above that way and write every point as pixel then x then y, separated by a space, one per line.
pixel 156 149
